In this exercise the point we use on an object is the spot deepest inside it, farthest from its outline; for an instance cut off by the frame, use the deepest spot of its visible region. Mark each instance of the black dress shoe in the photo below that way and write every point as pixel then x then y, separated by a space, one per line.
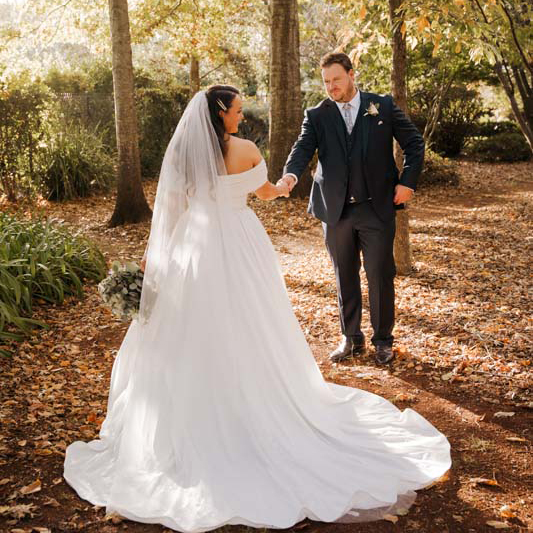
pixel 348 347
pixel 383 354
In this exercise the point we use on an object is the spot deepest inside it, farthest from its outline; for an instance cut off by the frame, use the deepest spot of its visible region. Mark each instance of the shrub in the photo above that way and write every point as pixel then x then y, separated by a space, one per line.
pixel 159 111
pixel 21 108
pixel 73 162
pixel 254 127
pixel 43 260
pixel 461 110
pixel 490 128
pixel 438 171
pixel 500 147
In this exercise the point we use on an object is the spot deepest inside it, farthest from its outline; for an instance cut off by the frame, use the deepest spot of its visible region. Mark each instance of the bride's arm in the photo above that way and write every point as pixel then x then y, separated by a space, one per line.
pixel 269 191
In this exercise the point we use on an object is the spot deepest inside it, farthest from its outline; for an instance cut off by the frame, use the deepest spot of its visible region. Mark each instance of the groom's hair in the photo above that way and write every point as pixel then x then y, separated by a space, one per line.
pixel 336 57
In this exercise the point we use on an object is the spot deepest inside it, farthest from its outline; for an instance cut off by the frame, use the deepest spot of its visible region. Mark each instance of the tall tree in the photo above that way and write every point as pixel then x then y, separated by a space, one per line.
pixel 131 204
pixel 285 94
pixel 402 246
pixel 194 74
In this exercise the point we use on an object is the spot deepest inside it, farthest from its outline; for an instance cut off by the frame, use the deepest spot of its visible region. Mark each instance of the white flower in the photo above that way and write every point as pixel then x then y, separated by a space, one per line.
pixel 372 109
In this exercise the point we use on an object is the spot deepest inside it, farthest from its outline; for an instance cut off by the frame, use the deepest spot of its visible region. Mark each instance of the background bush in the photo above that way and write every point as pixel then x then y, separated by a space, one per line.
pixel 490 128
pixel 438 171
pixel 460 113
pixel 254 127
pixel 509 146
pixel 73 162
pixel 40 259
pixel 21 128
pixel 158 110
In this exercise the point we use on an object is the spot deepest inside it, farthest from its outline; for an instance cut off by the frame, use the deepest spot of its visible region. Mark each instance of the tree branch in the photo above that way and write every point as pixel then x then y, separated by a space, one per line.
pixel 49 14
pixel 161 19
pixel 528 65
pixel 212 70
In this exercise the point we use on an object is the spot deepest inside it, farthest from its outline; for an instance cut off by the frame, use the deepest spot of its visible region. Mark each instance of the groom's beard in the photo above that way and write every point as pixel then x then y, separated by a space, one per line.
pixel 345 96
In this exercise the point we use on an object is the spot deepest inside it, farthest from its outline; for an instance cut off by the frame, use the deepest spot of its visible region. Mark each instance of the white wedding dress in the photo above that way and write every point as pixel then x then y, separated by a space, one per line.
pixel 218 413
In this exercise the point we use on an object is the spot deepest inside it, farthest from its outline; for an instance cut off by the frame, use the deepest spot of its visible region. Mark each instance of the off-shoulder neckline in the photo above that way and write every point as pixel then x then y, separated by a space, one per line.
pixel 245 171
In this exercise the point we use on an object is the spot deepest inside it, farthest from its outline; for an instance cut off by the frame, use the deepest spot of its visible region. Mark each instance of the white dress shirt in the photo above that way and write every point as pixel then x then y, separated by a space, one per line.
pixel 355 103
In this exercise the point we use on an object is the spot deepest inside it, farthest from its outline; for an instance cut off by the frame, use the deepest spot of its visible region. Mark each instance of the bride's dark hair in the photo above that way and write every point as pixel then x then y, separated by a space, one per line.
pixel 218 98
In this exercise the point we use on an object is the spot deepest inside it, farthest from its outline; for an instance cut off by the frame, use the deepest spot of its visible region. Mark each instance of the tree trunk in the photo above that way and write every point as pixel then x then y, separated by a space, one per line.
pixel 194 75
pixel 285 94
pixel 435 111
pixel 521 117
pixel 131 204
pixel 402 245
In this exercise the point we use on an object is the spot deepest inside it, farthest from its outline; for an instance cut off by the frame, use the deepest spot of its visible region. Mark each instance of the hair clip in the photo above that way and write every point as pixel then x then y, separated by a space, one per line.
pixel 221 104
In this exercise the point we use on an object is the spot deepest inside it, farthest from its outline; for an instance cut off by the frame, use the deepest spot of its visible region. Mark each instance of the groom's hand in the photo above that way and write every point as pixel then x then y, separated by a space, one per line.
pixel 402 194
pixel 289 180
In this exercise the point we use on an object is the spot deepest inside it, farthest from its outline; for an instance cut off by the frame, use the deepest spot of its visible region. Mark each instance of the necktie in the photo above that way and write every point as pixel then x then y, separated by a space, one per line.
pixel 348 116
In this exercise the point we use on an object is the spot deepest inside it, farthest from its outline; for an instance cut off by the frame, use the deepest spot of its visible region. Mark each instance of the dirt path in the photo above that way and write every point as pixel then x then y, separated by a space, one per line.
pixel 463 354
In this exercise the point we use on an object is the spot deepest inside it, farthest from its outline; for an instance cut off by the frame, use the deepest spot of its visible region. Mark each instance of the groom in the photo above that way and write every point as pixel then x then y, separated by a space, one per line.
pixel 356 189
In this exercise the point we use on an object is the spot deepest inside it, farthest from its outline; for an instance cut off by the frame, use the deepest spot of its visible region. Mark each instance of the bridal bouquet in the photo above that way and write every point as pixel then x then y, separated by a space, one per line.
pixel 121 290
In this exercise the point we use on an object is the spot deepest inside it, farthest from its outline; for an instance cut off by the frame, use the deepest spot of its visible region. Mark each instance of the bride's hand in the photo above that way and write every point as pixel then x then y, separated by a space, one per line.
pixel 283 189
pixel 143 264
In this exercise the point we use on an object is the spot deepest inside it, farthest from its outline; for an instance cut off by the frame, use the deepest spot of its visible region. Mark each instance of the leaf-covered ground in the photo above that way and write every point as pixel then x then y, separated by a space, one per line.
pixel 464 350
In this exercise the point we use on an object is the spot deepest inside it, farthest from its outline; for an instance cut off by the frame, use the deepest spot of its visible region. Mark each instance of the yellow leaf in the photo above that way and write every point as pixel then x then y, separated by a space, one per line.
pixel 422 23
pixel 507 512
pixel 403 29
pixel 516 439
pixel 32 487
pixel 457 47
pixel 484 481
pixel 43 452
pixel 391 518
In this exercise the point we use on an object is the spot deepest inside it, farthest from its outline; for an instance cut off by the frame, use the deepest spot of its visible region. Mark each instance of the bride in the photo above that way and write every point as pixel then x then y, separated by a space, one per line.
pixel 217 411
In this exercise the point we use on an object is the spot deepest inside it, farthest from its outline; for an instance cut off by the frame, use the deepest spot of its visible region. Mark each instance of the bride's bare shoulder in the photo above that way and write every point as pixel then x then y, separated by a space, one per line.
pixel 242 155
pixel 245 146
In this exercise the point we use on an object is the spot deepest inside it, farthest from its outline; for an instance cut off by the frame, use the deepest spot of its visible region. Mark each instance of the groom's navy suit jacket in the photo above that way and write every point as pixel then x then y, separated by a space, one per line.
pixel 323 128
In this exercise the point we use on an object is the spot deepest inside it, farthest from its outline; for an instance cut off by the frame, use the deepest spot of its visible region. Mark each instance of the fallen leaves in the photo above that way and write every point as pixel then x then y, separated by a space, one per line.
pixel 461 323
pixel 18 511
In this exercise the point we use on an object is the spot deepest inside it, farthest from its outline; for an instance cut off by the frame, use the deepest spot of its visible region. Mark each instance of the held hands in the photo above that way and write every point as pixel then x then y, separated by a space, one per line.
pixel 402 194
pixel 283 188
pixel 289 181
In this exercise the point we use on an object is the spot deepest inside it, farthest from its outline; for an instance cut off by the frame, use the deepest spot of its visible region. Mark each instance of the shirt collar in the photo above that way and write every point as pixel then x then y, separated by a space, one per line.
pixel 354 102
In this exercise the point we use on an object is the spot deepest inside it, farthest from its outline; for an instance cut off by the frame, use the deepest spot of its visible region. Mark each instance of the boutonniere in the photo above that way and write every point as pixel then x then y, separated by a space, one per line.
pixel 372 109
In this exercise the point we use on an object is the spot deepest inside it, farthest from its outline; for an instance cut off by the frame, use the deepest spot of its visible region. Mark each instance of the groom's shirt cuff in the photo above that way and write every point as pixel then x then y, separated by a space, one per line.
pixel 293 175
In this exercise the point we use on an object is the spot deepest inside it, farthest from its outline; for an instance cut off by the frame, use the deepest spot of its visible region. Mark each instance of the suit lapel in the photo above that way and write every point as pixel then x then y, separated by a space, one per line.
pixel 367 121
pixel 337 122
